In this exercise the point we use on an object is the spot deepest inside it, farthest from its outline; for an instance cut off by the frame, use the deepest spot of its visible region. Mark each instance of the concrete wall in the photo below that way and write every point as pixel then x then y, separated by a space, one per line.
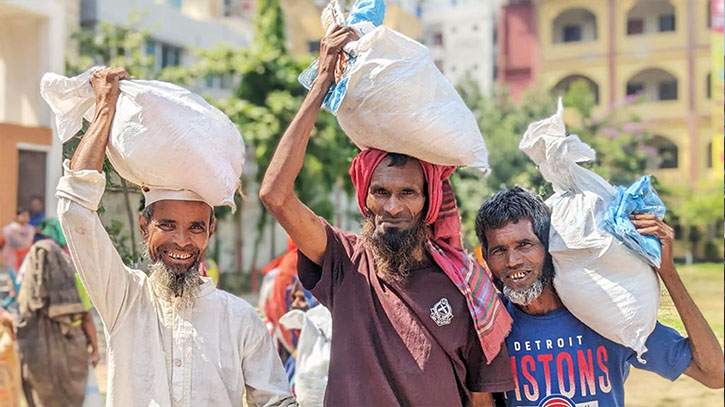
pixel 467 47
pixel 198 24
pixel 32 42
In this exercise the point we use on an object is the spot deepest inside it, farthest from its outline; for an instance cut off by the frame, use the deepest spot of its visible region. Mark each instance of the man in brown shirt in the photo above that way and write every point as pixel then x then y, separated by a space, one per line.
pixel 403 332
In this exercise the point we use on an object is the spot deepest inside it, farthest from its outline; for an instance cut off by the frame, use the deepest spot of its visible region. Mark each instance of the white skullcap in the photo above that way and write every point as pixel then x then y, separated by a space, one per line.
pixel 152 195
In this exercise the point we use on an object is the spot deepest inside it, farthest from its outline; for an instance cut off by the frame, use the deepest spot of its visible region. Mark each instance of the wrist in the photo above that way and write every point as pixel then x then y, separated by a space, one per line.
pixel 105 104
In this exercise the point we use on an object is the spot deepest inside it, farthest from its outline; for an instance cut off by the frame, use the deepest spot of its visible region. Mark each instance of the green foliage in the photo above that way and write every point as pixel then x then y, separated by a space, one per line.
pixel 112 45
pixel 121 242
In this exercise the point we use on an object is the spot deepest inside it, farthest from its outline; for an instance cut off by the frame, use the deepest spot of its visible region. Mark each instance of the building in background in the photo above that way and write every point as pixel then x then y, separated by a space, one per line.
pixel 32 42
pixel 178 27
pixel 658 49
pixel 460 34
pixel 518 46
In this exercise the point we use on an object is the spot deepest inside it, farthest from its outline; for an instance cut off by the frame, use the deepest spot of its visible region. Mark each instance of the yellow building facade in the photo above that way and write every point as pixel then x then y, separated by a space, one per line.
pixel 655 50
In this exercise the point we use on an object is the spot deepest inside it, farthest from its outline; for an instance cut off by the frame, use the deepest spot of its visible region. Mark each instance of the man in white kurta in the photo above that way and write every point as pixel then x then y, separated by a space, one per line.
pixel 202 349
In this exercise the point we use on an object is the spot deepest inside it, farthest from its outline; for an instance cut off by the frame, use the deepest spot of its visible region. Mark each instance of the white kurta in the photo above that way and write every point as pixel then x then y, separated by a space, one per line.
pixel 163 351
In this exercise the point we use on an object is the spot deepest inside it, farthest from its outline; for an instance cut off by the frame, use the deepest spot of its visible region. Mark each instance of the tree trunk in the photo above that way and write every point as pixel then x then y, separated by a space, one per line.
pixel 129 213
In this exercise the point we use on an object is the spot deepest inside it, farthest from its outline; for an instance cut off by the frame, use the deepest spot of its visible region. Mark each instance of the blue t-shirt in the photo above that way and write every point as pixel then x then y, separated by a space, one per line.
pixel 557 360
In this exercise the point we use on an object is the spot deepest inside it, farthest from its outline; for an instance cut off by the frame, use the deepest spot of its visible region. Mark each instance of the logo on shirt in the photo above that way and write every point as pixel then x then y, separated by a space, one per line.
pixel 556 400
pixel 441 312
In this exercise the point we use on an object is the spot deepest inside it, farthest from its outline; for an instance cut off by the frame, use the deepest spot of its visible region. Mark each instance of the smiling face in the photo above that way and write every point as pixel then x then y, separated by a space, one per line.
pixel 178 233
pixel 517 258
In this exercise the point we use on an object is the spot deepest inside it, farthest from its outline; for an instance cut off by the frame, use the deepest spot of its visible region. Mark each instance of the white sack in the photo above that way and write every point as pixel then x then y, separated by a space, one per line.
pixel 162 137
pixel 603 283
pixel 313 353
pixel 398 101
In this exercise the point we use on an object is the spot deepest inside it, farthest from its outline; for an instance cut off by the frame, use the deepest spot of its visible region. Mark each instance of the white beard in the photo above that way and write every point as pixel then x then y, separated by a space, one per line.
pixel 524 296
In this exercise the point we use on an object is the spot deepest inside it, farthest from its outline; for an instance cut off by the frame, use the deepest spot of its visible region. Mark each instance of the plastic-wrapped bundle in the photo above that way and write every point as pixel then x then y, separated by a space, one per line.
pixel 392 97
pixel 163 137
pixel 598 278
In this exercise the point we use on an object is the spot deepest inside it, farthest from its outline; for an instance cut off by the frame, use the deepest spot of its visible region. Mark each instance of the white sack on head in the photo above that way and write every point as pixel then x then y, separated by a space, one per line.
pixel 398 101
pixel 603 283
pixel 163 136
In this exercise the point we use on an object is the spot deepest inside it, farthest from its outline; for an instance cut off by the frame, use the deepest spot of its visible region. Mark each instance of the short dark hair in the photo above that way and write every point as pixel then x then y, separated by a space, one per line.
pixel 21 211
pixel 397 159
pixel 148 213
pixel 511 206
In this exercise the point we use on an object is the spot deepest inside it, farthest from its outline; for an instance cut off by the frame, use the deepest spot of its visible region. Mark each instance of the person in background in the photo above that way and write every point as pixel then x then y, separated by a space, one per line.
pixel 37 211
pixel 56 335
pixel 18 236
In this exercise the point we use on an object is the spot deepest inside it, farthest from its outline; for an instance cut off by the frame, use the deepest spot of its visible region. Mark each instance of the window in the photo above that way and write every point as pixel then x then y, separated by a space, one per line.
pixel 176 3
pixel 572 33
pixel 475 27
pixel 634 88
pixel 313 46
pixel 635 26
pixel 708 86
pixel 667 90
pixel 667 154
pixel 170 55
pixel 667 22
pixel 709 155
pixel 31 176
pixel 150 48
pixel 227 8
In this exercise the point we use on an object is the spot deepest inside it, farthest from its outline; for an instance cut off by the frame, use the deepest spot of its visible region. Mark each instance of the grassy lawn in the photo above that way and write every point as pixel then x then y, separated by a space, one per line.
pixel 644 389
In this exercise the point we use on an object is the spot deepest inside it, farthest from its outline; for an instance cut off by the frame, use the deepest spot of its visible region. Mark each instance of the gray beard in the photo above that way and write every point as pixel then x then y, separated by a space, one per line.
pixel 393 253
pixel 183 284
pixel 525 296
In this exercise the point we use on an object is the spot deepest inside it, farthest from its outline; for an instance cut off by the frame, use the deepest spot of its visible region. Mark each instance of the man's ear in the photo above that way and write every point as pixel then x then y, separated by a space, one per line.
pixel 143 226
pixel 212 227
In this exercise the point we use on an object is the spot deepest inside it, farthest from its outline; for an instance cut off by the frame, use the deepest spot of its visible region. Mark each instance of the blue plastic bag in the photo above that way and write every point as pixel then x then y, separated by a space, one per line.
pixel 363 10
pixel 639 197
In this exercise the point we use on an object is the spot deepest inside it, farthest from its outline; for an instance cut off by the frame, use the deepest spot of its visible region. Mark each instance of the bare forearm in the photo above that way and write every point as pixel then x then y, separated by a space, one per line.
pixel 287 161
pixel 706 351
pixel 89 328
pixel 92 149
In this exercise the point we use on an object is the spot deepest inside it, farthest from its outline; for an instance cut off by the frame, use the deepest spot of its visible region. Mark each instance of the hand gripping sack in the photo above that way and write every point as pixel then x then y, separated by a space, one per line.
pixel 601 281
pixel 313 353
pixel 392 97
pixel 163 137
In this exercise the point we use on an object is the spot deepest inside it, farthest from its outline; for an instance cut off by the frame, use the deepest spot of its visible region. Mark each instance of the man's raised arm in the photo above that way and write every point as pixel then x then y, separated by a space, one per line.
pixel 79 193
pixel 707 355
pixel 277 190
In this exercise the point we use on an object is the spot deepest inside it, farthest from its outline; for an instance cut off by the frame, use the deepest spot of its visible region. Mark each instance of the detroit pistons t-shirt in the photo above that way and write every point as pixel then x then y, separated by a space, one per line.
pixel 558 361
pixel 393 344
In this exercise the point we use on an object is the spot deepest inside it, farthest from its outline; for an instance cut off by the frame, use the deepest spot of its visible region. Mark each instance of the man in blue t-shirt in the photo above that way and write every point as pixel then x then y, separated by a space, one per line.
pixel 556 359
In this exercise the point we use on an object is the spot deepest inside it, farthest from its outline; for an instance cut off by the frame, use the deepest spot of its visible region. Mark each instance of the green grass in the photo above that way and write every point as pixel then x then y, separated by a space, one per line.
pixel 704 281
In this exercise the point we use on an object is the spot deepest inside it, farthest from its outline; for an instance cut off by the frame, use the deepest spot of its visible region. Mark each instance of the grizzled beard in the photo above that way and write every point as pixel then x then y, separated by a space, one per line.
pixel 394 251
pixel 526 296
pixel 183 283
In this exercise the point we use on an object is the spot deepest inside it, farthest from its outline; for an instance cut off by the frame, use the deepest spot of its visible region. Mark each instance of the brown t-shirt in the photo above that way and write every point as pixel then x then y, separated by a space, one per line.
pixel 388 347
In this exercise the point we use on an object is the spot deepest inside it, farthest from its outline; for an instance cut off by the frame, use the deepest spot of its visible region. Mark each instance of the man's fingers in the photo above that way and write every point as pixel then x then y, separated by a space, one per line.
pixel 644 223
pixel 642 216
